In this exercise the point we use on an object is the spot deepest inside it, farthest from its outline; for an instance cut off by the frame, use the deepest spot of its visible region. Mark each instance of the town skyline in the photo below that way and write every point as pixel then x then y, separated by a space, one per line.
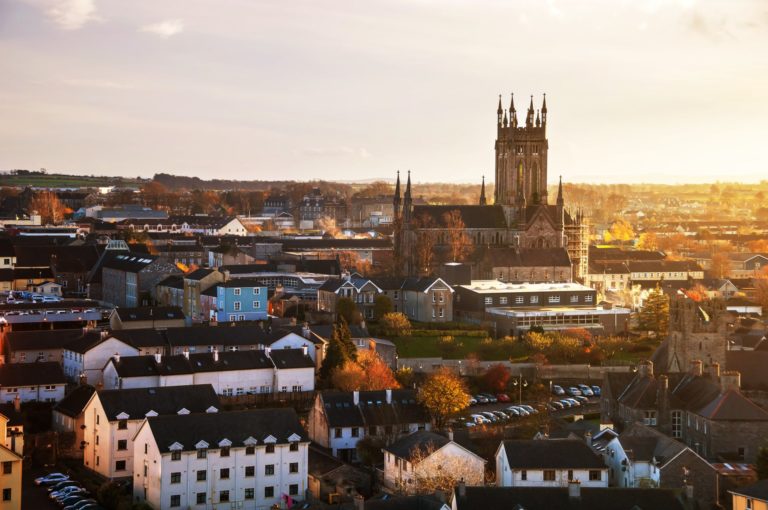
pixel 344 92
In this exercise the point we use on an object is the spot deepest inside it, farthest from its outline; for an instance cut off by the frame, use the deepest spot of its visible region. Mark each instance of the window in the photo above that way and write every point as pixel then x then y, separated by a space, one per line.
pixel 202 476
pixel 225 451
pixel 519 300
pixel 200 498
pixel 175 477
pixel 257 304
pixel 294 446
pixel 271 448
pixel 269 469
pixel 224 473
pixel 489 300
pixel 176 500
pixel 120 465
pixel 249 493
pixel 650 418
pixel 574 299
pixel 293 489
pixel 677 424
pixel 595 475
pixel 524 475
pixel 6 494
pixel 257 290
pixel 553 299
pixel 355 432
pixel 534 299
pixel 223 496
pixel 250 471
pixel 238 305
pixel 237 292
pixel 503 300
pixel 549 475
pixel 269 492
pixel 176 455
pixel 337 432
pixel 202 453
pixel 122 424
pixel 570 475
pixel 250 450
pixel 588 299
pixel 122 444
pixel 7 468
pixel 293 467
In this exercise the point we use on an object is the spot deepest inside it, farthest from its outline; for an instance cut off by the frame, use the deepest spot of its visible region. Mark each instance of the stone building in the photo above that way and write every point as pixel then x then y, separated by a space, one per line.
pixel 521 216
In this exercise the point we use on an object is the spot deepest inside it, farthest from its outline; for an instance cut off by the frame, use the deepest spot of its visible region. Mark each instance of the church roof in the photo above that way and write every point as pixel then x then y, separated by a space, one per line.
pixel 529 257
pixel 473 216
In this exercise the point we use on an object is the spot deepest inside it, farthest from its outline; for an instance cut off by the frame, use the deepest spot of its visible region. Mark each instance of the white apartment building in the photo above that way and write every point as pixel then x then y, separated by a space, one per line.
pixel 112 417
pixel 248 460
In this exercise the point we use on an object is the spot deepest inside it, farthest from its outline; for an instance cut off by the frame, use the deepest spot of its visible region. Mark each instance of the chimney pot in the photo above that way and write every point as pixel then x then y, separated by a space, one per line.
pixel 645 369
pixel 359 502
pixel 356 397
pixel 450 434
pixel 117 357
pixel 305 350
pixel 215 355
pixel 17 403
pixel 697 367
pixel 462 488
pixel 730 380
pixel 158 358
pixel 389 396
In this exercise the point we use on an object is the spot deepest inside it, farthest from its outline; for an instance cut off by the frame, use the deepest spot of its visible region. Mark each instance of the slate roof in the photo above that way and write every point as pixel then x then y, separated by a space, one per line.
pixel 420 441
pixel 247 268
pixel 556 498
pixel 46 339
pixel 751 365
pixel 74 403
pixel 236 426
pixel 136 403
pixel 31 374
pixel 758 490
pixel 144 337
pixel 656 266
pixel 68 259
pixel 32 273
pixel 15 418
pixel 291 358
pixel 529 257
pixel 473 216
pixel 85 343
pixel 129 262
pixel 224 335
pixel 175 281
pixel 646 444
pixel 147 313
pixel 618 254
pixel 733 406
pixel 198 274
pixel 142 366
pixel 551 454
pixel 372 408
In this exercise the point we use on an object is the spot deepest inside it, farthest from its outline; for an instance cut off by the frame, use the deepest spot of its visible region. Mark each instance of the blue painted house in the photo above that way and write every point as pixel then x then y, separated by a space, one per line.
pixel 237 301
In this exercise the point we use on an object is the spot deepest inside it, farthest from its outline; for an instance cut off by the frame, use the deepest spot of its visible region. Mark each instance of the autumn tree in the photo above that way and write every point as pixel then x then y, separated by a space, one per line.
pixel 610 345
pixel 435 470
pixel 340 350
pixel 496 378
pixel 761 288
pixel 620 231
pixel 48 206
pixel 367 372
pixel 443 394
pixel 648 241
pixel 154 194
pixel 382 305
pixel 458 239
pixel 654 315
pixel 395 324
pixel 425 244
pixel 721 265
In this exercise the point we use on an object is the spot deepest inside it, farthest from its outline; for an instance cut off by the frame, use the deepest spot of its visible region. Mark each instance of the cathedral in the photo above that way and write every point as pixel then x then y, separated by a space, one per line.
pixel 521 221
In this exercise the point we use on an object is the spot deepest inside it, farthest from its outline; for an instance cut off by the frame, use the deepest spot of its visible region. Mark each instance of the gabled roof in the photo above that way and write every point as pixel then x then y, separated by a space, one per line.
pixel 31 374
pixel 733 406
pixel 473 216
pixel 291 358
pixel 422 441
pixel 148 313
pixel 198 274
pixel 758 490
pixel 73 404
pixel 46 339
pixel 165 400
pixel 235 426
pixel 372 409
pixel 645 444
pixel 551 454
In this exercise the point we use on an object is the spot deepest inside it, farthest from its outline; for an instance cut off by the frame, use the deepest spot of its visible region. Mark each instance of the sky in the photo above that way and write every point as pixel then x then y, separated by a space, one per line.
pixel 668 91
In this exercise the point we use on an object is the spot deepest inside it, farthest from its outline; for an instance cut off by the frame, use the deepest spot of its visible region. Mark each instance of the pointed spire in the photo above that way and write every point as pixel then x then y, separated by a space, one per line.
pixel 408 188
pixel 407 202
pixel 512 104
pixel 499 111
pixel 505 122
pixel 529 116
pixel 396 200
pixel 538 119
pixel 544 111
pixel 483 201
pixel 560 200
pixel 512 112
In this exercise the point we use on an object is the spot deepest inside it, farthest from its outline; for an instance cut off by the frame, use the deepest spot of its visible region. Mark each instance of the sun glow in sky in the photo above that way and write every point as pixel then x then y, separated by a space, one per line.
pixel 637 91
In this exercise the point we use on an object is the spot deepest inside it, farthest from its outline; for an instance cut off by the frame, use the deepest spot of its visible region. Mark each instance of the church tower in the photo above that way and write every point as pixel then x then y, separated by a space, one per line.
pixel 521 158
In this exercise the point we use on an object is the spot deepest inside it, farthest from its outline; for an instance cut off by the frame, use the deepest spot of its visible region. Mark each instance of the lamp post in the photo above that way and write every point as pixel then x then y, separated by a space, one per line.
pixel 519 382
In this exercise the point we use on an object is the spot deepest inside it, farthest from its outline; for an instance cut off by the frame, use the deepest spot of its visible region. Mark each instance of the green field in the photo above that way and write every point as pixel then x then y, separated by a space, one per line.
pixel 65 181
pixel 463 346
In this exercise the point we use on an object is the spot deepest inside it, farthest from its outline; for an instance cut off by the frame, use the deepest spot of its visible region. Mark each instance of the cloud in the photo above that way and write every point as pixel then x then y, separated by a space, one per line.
pixel 711 28
pixel 165 29
pixel 360 152
pixel 71 14
pixel 96 84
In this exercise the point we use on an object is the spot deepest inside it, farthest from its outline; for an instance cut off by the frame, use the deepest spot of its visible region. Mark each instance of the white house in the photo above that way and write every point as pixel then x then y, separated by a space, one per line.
pixel 230 373
pixel 32 382
pixel 421 456
pixel 241 459
pixel 112 417
pixel 87 355
pixel 548 463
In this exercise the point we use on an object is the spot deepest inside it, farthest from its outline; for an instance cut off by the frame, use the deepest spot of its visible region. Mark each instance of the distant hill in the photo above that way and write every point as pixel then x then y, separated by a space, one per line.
pixel 23 178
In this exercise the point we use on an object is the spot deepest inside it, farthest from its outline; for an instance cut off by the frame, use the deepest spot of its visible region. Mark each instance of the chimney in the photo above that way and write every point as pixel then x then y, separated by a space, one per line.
pixel 450 434
pixel 462 488
pixel 158 358
pixel 645 369
pixel 715 370
pixel 305 350
pixel 355 397
pixel 83 380
pixel 268 352
pixel 389 396
pixel 588 438
pixel 104 335
pixel 17 403
pixel 215 355
pixel 697 367
pixel 359 502
pixel 574 489
pixel 305 331
pixel 730 380
pixel 185 353
pixel 116 356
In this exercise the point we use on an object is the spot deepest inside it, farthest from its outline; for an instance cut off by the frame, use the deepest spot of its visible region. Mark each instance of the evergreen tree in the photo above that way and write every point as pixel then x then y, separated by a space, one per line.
pixel 340 350
pixel 654 316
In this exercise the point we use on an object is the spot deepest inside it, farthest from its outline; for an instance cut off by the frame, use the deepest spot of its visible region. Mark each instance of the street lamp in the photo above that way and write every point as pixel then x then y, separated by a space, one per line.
pixel 519 382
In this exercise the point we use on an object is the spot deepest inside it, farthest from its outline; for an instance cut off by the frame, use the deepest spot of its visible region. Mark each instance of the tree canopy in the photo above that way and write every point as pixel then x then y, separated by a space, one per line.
pixel 443 394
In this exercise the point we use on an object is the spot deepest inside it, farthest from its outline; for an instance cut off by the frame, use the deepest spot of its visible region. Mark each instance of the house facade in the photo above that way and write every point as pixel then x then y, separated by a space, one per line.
pixel 234 302
pixel 32 382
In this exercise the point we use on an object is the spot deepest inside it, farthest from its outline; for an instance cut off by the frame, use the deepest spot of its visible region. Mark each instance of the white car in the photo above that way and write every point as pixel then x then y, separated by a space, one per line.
pixel 51 479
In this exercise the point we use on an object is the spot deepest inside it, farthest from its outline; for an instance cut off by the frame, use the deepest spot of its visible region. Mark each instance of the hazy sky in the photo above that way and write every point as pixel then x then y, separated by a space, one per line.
pixel 638 91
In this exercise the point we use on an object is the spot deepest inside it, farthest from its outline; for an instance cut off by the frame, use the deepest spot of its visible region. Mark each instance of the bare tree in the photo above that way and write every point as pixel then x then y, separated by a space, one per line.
pixel 457 235
pixel 425 243
pixel 436 469
pixel 48 206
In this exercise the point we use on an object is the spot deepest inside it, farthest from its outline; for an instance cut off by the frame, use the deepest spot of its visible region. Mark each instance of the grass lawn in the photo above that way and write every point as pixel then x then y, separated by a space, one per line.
pixel 429 347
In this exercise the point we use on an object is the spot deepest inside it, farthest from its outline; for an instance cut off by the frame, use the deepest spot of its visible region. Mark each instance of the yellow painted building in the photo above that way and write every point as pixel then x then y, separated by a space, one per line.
pixel 751 497
pixel 10 473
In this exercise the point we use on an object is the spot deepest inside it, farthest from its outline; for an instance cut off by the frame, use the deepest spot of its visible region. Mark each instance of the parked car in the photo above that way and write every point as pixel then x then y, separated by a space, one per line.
pixel 62 484
pixel 566 403
pixel 69 500
pixel 528 408
pixel 557 390
pixel 582 400
pixel 491 398
pixel 556 406
pixel 490 416
pixel 573 391
pixel 586 390
pixel 481 399
pixel 513 411
pixel 81 503
pixel 51 479
pixel 596 390
pixel 574 402
pixel 66 491
pixel 502 397
pixel 472 401
pixel 480 419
